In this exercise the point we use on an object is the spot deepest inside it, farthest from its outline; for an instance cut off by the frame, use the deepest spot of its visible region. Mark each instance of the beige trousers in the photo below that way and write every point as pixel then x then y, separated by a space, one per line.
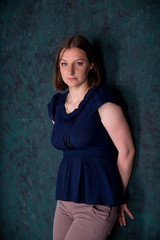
pixel 79 221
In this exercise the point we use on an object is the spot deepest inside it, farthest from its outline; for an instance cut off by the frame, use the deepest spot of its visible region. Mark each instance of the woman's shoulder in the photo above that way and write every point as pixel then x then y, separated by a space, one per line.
pixel 102 95
pixel 103 92
pixel 56 99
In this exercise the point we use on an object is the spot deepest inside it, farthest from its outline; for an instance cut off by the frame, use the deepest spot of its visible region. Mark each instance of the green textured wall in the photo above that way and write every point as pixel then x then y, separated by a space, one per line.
pixel 127 36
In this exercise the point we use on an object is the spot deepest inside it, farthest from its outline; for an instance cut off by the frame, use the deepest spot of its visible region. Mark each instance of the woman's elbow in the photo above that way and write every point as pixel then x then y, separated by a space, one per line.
pixel 128 152
pixel 133 151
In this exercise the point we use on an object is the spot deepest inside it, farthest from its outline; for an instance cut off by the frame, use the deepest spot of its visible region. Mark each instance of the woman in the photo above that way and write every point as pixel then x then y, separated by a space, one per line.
pixel 90 128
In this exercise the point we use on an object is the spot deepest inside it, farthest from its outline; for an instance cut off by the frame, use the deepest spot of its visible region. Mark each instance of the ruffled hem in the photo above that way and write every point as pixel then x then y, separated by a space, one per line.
pixel 76 182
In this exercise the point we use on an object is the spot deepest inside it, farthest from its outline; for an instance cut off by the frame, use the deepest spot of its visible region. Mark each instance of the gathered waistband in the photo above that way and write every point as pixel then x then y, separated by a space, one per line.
pixel 85 153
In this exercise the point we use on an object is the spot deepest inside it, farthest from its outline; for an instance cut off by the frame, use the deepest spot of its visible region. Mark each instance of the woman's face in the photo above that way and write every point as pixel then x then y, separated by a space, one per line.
pixel 74 67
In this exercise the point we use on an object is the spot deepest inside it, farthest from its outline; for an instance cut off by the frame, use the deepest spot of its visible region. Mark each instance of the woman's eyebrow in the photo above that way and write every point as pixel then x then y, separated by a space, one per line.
pixel 82 59
pixel 61 59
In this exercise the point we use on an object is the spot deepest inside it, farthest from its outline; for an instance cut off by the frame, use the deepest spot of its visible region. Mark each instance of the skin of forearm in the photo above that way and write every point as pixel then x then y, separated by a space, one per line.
pixel 125 165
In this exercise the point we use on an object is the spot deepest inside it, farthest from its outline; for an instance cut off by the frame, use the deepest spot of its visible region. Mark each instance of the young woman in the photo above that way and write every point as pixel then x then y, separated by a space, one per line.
pixel 98 151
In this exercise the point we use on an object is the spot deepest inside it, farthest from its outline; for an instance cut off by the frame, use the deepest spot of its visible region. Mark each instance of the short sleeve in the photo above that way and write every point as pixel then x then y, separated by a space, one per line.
pixel 101 96
pixel 52 105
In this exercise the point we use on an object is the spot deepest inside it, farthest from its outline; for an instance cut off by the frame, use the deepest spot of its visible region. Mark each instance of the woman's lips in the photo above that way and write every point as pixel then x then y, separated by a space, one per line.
pixel 71 79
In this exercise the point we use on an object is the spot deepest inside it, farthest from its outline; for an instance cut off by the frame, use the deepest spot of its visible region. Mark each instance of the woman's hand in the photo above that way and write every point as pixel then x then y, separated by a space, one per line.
pixel 121 214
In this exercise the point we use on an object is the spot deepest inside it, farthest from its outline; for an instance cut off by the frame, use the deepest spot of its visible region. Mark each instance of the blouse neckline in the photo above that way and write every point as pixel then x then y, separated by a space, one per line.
pixel 76 110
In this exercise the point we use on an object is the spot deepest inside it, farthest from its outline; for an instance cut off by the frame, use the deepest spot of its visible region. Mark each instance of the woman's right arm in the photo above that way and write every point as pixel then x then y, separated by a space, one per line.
pixel 116 125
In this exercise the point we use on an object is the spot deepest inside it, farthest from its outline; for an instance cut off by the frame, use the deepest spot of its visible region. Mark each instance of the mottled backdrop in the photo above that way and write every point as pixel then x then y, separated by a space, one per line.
pixel 126 36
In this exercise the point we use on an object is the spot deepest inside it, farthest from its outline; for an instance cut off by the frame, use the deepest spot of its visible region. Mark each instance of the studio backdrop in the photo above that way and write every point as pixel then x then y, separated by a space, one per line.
pixel 126 37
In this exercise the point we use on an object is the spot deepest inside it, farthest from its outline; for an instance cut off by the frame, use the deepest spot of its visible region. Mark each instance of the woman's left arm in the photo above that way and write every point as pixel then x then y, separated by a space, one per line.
pixel 113 119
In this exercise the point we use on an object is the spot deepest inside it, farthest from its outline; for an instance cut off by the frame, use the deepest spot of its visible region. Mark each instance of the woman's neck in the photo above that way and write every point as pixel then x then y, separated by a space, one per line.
pixel 77 94
pixel 74 98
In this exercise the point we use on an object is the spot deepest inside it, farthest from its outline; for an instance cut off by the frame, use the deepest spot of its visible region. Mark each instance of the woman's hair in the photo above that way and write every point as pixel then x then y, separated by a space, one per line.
pixel 82 43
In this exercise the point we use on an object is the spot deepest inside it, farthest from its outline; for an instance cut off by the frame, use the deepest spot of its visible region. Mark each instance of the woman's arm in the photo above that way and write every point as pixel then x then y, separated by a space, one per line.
pixel 117 127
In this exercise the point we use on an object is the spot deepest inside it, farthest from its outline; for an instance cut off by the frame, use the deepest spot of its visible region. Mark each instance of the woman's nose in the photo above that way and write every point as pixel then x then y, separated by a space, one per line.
pixel 71 69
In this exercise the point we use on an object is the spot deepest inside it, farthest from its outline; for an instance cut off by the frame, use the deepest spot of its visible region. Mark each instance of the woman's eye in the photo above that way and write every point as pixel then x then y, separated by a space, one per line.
pixel 79 63
pixel 63 64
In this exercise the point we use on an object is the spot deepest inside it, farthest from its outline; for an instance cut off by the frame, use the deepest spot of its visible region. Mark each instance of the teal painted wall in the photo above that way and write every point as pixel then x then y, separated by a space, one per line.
pixel 126 35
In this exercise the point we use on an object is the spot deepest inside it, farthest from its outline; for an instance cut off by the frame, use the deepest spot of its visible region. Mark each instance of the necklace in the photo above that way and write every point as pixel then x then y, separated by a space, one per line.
pixel 70 106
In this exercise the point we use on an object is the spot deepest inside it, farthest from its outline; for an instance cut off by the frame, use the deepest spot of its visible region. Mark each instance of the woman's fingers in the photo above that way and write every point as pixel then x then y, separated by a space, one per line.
pixel 123 220
pixel 121 214
pixel 121 217
pixel 129 213
pixel 120 221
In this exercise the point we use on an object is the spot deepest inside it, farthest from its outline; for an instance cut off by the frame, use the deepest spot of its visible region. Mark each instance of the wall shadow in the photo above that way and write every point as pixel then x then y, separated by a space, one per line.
pixel 109 79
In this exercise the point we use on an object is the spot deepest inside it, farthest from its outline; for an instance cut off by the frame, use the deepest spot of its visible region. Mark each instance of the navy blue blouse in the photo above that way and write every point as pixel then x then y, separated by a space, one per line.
pixel 88 172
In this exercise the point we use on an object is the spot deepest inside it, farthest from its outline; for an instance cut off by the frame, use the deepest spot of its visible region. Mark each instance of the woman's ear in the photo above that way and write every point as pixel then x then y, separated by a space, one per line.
pixel 92 65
